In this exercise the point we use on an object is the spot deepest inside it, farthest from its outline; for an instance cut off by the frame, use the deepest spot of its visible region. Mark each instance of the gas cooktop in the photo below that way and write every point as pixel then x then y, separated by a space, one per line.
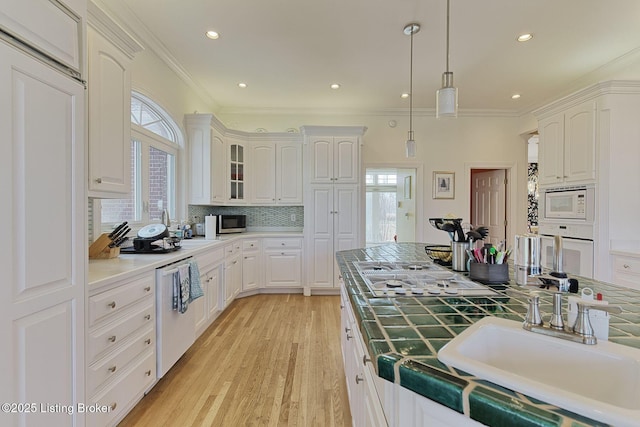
pixel 417 278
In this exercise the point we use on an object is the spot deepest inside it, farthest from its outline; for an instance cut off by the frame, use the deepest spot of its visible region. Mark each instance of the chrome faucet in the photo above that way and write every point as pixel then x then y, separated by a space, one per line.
pixel 581 332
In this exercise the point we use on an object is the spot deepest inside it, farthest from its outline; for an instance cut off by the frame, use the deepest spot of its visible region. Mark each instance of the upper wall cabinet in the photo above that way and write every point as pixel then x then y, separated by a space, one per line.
pixel 111 52
pixel 567 146
pixel 334 159
pixel 276 171
pixel 60 38
pixel 207 160
pixel 237 162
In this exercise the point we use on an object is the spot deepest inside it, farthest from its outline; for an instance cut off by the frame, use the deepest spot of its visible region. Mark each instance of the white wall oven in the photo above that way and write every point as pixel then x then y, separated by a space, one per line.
pixel 569 212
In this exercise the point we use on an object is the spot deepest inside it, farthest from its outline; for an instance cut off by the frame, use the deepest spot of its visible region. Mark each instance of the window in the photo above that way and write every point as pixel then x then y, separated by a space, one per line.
pixel 154 151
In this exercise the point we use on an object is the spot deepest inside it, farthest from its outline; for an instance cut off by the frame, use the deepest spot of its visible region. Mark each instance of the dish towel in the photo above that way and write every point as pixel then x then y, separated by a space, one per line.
pixel 181 288
pixel 196 287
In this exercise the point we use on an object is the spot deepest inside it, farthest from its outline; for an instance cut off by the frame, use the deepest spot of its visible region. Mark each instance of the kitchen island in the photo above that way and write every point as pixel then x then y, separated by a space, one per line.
pixel 403 335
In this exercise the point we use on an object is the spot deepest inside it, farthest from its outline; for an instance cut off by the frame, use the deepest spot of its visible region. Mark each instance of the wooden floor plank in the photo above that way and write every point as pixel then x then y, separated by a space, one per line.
pixel 268 360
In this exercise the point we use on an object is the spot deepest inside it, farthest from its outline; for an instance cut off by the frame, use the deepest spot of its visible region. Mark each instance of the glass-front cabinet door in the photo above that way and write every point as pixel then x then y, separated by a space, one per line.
pixel 236 178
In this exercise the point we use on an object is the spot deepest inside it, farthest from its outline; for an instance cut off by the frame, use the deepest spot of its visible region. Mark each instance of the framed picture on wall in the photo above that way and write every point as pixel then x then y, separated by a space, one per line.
pixel 444 185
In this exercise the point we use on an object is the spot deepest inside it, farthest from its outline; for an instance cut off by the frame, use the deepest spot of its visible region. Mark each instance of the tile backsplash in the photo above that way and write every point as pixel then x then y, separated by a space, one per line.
pixel 258 217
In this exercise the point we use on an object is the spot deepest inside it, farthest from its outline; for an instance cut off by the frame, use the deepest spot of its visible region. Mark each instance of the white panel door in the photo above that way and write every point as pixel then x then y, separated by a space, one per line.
pixel 321 244
pixel 263 173
pixel 489 204
pixel 551 150
pixel 345 200
pixel 43 258
pixel 289 174
pixel 579 143
pixel 321 150
pixel 345 160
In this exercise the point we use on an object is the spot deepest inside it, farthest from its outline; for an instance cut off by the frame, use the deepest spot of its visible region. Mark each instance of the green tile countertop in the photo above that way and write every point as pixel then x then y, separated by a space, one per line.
pixel 404 335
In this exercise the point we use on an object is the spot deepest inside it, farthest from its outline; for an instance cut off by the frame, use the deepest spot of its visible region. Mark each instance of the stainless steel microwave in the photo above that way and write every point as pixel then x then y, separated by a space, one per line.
pixel 571 203
pixel 231 224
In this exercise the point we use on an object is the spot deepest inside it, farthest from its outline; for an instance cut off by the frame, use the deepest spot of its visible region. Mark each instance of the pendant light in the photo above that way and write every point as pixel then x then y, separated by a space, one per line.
pixel 447 95
pixel 410 145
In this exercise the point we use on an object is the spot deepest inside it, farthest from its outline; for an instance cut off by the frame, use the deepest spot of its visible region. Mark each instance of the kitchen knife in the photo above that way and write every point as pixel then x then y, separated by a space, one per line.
pixel 119 241
pixel 123 232
pixel 116 230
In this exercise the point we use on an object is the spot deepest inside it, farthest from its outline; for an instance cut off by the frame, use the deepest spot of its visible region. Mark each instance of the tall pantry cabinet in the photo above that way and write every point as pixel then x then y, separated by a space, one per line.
pixel 332 201
pixel 44 256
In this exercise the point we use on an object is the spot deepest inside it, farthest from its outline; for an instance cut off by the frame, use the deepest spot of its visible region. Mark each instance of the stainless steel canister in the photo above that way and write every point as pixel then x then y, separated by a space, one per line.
pixel 459 255
pixel 526 259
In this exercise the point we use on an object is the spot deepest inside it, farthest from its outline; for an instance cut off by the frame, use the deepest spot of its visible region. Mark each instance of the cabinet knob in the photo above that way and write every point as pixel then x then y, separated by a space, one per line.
pixel 626 266
pixel 147 289
pixel 148 373
pixel 112 338
pixel 98 180
pixel 349 337
pixel 112 304
pixel 113 406
pixel 359 379
pixel 365 359
pixel 147 341
pixel 147 317
pixel 112 369
pixel 347 330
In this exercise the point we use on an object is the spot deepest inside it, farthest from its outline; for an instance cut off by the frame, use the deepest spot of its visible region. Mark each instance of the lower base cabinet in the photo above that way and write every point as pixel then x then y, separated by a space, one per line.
pixel 283 262
pixel 626 271
pixel 207 307
pixel 121 348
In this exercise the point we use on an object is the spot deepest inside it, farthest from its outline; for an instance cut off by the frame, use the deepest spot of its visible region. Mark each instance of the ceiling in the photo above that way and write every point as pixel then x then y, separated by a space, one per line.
pixel 288 52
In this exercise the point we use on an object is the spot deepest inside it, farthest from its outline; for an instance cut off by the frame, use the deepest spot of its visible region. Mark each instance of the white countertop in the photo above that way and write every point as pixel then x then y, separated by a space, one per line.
pixel 105 271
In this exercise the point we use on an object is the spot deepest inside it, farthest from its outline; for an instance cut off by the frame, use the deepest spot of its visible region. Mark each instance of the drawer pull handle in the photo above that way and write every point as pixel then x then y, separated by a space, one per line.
pixel 147 317
pixel 359 380
pixel 113 406
pixel 365 359
pixel 112 369
pixel 626 266
pixel 147 341
pixel 147 289
pixel 282 243
pixel 112 304
pixel 148 373
pixel 112 338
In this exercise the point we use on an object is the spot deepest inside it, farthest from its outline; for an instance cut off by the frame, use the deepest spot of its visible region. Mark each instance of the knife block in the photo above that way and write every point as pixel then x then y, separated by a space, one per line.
pixel 100 248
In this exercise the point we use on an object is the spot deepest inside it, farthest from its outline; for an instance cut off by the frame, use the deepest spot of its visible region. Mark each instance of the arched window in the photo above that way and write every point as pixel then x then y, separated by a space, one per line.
pixel 155 142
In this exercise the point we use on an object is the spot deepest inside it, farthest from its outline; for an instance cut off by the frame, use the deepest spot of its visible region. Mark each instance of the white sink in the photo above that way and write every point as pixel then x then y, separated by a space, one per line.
pixel 599 381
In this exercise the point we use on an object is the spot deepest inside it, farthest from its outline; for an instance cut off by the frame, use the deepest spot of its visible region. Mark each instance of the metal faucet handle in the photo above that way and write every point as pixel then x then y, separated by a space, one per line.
pixel 583 326
pixel 533 317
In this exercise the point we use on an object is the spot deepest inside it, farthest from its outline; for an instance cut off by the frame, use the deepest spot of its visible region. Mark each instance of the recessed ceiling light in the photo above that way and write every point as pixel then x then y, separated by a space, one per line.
pixel 515 96
pixel 213 35
pixel 242 85
pixel 404 95
pixel 525 37
pixel 335 86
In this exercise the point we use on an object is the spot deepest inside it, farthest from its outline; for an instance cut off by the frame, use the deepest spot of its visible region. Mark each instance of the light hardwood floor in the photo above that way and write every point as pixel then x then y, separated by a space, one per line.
pixel 271 360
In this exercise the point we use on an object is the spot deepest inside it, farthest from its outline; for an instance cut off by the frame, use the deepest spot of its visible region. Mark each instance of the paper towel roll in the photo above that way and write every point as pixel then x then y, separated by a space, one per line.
pixel 210 227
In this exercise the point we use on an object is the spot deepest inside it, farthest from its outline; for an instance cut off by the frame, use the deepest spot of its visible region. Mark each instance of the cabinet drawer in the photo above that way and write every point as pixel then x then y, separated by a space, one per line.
pixel 209 259
pixel 114 364
pixel 627 265
pixel 119 396
pixel 284 243
pixel 250 245
pixel 232 249
pixel 109 336
pixel 112 301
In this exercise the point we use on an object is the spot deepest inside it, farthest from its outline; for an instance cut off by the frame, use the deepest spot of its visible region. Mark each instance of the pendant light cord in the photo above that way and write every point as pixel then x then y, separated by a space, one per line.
pixel 448 5
pixel 411 88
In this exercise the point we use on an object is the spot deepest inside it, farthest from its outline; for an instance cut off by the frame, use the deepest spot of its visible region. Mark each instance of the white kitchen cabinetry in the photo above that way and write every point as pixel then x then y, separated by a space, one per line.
pixel 207 308
pixel 331 224
pixel 332 199
pixel 334 159
pixel 251 265
pixel 111 52
pixel 283 262
pixel 276 171
pixel 207 159
pixel 626 271
pixel 232 271
pixel 364 401
pixel 237 162
pixel 121 347
pixel 43 260
pixel 567 146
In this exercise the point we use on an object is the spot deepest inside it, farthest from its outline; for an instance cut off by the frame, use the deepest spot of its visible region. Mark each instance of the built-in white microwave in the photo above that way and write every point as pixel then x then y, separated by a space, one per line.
pixel 569 203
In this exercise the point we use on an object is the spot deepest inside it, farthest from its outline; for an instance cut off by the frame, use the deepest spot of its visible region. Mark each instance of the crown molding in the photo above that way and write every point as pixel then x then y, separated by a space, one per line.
pixel 102 22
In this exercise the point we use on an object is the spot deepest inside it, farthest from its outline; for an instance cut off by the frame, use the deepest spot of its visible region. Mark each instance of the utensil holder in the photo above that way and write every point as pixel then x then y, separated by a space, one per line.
pixel 100 248
pixel 459 255
pixel 489 273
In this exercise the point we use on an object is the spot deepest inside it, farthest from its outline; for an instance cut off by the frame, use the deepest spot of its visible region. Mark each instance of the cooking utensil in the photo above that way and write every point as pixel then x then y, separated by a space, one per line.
pixel 153 231
pixel 474 235
pixel 484 231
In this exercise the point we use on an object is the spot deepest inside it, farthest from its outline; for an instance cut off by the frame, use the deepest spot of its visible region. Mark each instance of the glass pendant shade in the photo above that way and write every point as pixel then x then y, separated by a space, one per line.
pixel 410 145
pixel 447 102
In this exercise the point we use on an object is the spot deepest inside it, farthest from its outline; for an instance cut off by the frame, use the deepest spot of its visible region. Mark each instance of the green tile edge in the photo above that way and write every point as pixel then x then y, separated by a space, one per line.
pixel 433 384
